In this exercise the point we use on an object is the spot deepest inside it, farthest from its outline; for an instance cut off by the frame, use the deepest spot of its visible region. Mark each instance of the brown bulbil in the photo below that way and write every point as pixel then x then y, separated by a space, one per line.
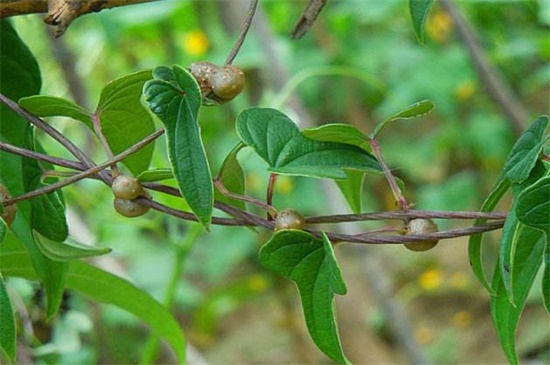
pixel 421 226
pixel 289 219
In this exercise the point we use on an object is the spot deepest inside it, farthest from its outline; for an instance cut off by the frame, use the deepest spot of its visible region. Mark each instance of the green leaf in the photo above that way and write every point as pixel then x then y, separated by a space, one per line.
pixel 519 163
pixel 352 189
pixel 526 151
pixel 277 140
pixel 124 120
pixel 66 251
pixel 475 241
pixel 19 77
pixel 533 206
pixel 20 72
pixel 175 97
pixel 232 176
pixel 7 323
pixel 52 106
pixel 310 263
pixel 506 316
pixel 103 287
pixel 546 277
pixel 338 132
pixel 3 229
pixel 412 111
pixel 419 13
pixel 155 175
pixel 515 233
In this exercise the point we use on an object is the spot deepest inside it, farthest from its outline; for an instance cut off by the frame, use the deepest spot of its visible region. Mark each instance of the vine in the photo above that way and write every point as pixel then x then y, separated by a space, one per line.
pixel 41 249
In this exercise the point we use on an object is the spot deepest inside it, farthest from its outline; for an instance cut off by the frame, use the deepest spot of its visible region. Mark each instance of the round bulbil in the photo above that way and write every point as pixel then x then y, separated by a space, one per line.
pixel 289 219
pixel 127 187
pixel 129 208
pixel 420 226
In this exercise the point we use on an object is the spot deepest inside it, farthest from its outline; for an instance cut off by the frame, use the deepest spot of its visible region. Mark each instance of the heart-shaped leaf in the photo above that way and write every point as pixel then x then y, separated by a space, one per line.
pixel 175 97
pixel 277 140
pixel 124 120
pixel 310 263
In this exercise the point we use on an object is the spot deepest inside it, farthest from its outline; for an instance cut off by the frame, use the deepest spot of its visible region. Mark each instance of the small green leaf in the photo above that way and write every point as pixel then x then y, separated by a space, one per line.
pixel 155 175
pixel 7 321
pixel 533 206
pixel 124 120
pixel 52 106
pixel 526 151
pixel 66 251
pixel 232 176
pixel 352 189
pixel 310 263
pixel 175 97
pixel 277 140
pixel 104 287
pixel 506 316
pixel 419 13
pixel 412 111
pixel 338 132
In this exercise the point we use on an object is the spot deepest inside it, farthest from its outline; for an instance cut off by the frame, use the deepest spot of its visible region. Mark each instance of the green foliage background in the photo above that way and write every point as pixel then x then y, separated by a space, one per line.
pixel 359 64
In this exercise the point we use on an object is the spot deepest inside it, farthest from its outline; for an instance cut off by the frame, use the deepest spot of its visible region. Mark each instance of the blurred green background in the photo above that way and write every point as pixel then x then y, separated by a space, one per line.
pixel 358 64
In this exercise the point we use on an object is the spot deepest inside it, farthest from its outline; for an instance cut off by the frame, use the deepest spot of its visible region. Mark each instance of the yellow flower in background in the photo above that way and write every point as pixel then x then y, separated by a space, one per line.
pixel 438 26
pixel 459 280
pixel 258 283
pixel 462 319
pixel 424 335
pixel 284 185
pixel 465 90
pixel 431 279
pixel 196 43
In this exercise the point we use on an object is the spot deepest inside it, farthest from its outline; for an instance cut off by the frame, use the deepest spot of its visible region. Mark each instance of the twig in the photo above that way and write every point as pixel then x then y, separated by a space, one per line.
pixel 307 18
pixel 218 183
pixel 398 195
pixel 40 156
pixel 404 215
pixel 269 194
pixel 91 171
pixel 497 88
pixel 400 239
pixel 244 31
pixel 54 133
pixel 98 129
